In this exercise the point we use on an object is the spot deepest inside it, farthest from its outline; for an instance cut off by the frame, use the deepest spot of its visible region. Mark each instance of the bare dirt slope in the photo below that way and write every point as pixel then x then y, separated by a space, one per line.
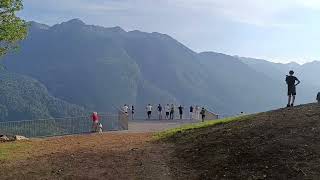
pixel 282 144
pixel 107 156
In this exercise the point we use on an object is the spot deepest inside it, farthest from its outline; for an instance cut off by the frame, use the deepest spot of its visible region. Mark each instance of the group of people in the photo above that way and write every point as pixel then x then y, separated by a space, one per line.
pixel 292 82
pixel 168 111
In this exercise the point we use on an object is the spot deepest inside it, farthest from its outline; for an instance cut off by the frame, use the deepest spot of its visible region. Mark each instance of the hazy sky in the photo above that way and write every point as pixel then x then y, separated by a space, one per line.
pixel 280 30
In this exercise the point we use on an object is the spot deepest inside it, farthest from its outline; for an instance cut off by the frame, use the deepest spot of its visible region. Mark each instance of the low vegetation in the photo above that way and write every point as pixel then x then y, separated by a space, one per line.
pixel 13 150
pixel 187 128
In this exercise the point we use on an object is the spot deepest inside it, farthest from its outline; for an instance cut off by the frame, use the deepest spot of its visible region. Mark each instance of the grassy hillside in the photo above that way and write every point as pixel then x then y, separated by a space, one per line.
pixel 281 144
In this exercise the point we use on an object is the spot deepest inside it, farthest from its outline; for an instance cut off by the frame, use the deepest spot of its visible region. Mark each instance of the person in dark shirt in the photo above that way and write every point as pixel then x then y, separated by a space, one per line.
pixel 180 111
pixel 160 111
pixel 132 112
pixel 291 82
pixel 318 97
pixel 203 114
pixel 191 112
pixel 172 112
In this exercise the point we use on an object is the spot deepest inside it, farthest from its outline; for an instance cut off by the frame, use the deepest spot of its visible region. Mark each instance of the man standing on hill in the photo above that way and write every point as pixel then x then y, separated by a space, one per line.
pixel 291 82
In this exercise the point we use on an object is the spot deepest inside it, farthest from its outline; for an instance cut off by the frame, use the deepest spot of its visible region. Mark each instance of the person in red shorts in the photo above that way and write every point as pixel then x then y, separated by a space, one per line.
pixel 95 121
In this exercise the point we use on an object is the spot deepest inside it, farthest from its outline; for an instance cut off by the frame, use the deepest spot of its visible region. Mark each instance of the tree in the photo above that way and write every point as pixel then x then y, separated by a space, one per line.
pixel 12 28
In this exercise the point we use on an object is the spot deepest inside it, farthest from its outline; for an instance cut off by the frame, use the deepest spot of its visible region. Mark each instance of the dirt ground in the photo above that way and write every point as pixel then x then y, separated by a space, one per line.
pixel 282 144
pixel 107 156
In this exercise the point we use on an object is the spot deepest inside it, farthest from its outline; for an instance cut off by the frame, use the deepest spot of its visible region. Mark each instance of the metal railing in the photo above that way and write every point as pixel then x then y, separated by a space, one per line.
pixel 58 126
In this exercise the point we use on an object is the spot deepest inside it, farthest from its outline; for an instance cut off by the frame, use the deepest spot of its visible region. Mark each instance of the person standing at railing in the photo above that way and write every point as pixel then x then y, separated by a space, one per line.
pixel 191 112
pixel 197 112
pixel 172 112
pixel 160 111
pixel 203 114
pixel 167 109
pixel 180 111
pixel 95 121
pixel 149 110
pixel 132 112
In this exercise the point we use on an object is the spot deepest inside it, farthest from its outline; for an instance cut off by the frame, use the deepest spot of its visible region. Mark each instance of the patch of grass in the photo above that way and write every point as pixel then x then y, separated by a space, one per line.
pixel 12 150
pixel 172 132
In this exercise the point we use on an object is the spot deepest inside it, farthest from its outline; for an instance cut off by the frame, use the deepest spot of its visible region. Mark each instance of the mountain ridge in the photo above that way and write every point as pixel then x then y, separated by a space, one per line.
pixel 100 68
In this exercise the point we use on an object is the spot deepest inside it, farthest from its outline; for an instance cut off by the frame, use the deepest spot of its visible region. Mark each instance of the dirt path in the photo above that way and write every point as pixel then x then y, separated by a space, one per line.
pixel 106 156
pixel 114 155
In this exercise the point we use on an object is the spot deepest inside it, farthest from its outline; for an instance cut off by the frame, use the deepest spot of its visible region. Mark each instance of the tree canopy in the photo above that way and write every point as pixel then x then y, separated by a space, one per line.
pixel 12 28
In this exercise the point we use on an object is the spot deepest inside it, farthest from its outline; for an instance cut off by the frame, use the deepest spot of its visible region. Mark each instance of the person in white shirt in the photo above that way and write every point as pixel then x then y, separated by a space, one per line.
pixel 167 109
pixel 149 110
pixel 197 112
pixel 125 109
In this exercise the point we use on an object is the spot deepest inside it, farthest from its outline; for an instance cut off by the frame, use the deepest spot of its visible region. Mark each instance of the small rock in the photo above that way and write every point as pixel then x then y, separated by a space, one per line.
pixel 20 138
pixel 4 138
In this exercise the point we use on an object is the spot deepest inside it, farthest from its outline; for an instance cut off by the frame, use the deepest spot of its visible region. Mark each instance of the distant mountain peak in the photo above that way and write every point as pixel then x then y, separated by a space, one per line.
pixel 116 29
pixel 37 25
pixel 75 22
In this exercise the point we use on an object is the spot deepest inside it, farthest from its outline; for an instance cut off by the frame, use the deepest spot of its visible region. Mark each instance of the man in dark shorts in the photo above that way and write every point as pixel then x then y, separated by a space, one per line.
pixel 291 82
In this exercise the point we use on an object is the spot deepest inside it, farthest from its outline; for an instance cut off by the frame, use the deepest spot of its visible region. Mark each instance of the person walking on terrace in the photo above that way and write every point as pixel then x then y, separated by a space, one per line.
pixel 291 82
pixel 95 121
